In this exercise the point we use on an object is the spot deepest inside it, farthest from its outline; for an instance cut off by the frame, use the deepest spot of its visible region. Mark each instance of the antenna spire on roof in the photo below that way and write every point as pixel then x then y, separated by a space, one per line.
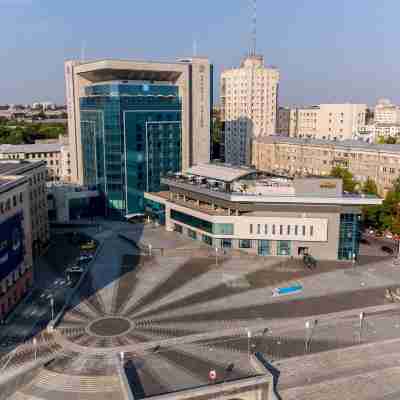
pixel 83 50
pixel 253 49
pixel 194 48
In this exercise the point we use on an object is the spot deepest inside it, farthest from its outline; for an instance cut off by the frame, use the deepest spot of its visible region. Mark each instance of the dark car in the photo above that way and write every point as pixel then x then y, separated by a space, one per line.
pixel 364 241
pixel 387 249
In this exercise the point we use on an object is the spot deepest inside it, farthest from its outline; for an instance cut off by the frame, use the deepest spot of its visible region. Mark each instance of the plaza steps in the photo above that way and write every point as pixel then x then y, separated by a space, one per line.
pixel 50 380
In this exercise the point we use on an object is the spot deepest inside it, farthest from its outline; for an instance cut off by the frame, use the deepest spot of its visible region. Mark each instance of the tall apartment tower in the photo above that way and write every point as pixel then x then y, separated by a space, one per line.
pixel 132 122
pixel 249 106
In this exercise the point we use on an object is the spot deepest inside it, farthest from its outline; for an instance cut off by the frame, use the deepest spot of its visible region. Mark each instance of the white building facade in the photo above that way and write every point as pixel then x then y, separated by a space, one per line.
pixel 325 121
pixel 248 106
pixel 386 113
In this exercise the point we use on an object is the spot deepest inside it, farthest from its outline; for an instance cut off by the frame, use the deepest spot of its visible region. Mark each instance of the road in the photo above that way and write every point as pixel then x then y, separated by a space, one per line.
pixel 34 313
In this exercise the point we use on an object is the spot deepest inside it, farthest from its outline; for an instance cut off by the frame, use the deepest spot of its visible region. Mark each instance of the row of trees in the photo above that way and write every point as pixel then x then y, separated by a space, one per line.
pixel 26 133
pixel 383 217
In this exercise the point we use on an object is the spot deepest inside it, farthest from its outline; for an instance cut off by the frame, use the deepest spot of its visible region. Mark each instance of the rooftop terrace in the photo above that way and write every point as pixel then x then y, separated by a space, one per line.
pixel 248 185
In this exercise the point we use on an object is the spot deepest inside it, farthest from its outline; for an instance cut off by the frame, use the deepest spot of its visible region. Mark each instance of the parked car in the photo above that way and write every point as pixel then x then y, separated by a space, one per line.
pixel 90 245
pixel 74 268
pixel 365 241
pixel 387 249
pixel 389 235
pixel 84 259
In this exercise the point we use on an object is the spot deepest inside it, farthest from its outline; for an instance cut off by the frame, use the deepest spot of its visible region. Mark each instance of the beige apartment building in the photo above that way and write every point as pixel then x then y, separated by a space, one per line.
pixel 323 121
pixel 35 173
pixel 16 273
pixel 57 157
pixel 248 106
pixel 386 113
pixel 193 76
pixel 302 157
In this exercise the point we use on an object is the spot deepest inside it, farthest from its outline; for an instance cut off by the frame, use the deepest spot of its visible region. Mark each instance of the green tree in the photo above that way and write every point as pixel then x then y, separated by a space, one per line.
pixel 349 183
pixel 369 187
pixel 396 185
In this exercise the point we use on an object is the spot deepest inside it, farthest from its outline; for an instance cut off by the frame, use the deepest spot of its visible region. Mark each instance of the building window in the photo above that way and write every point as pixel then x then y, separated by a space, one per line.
pixel 264 248
pixel 245 244
pixel 281 229
pixel 222 229
pixel 288 230
pixel 251 229
pixel 304 230
pixel 178 228
pixel 266 229
pixel 207 239
pixel 192 234
pixel 226 243
pixel 284 248
pixel 311 230
pixel 273 229
pixel 296 230
pixel 258 229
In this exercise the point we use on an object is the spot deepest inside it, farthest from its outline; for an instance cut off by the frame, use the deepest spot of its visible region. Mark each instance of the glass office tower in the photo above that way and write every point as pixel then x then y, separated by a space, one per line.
pixel 131 136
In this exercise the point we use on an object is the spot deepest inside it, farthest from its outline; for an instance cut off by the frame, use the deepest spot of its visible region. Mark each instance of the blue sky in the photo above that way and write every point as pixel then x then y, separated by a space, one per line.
pixel 327 51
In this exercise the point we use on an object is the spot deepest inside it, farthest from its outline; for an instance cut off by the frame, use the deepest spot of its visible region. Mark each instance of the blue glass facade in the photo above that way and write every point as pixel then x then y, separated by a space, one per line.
pixel 216 229
pixel 131 136
pixel 349 236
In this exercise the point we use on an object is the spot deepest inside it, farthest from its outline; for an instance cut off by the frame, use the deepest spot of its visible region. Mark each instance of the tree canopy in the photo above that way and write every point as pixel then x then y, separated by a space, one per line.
pixel 12 132
pixel 349 183
pixel 369 187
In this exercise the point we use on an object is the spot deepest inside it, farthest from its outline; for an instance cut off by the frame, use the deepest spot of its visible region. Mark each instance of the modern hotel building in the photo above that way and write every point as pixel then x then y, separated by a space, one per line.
pixel 244 209
pixel 132 122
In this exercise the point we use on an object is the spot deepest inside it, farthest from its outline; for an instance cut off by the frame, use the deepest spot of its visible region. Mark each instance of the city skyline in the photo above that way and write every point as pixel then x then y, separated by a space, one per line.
pixel 345 62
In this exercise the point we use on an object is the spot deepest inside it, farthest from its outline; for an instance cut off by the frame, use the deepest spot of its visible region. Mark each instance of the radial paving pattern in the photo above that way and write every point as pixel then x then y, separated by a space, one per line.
pixel 174 319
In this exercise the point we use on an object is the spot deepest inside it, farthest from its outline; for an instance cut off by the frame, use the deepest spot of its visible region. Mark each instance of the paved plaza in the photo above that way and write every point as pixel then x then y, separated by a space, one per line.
pixel 169 319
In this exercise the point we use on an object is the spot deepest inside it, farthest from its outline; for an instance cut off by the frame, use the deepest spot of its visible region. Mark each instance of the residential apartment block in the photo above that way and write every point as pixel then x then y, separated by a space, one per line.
pixel 24 230
pixel 35 173
pixel 57 157
pixel 323 121
pixel 16 273
pixel 248 106
pixel 295 156
pixel 386 113
pixel 378 131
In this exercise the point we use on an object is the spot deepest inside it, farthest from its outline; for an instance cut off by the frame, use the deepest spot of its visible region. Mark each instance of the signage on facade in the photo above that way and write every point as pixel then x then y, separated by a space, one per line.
pixel 328 185
pixel 12 249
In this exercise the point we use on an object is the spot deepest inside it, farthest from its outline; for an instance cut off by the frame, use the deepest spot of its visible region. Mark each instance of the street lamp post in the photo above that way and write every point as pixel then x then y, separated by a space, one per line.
pixel 216 256
pixel 52 307
pixel 248 341
pixel 361 316
pixel 150 249
pixel 306 342
pixel 35 345
pixel 310 327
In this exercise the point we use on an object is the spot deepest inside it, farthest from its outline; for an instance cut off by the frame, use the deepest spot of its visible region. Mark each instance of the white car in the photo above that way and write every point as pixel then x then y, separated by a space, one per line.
pixel 389 236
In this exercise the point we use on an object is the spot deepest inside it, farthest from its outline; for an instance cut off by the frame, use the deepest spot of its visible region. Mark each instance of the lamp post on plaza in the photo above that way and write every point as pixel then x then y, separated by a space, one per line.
pixel 216 256
pixel 361 316
pixel 310 327
pixel 35 346
pixel 248 341
pixel 52 307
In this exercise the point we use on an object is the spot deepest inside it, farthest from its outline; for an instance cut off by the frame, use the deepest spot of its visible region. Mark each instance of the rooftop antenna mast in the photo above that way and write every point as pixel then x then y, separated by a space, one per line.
pixel 83 49
pixel 194 48
pixel 253 49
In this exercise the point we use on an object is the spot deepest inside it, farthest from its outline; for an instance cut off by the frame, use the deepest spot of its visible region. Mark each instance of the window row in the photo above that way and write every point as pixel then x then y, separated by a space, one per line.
pixel 297 230
pixel 11 202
